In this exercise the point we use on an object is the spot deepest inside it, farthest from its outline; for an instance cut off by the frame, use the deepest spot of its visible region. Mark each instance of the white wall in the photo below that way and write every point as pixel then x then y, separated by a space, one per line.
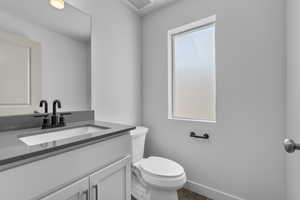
pixel 293 98
pixel 65 63
pixel 116 60
pixel 245 157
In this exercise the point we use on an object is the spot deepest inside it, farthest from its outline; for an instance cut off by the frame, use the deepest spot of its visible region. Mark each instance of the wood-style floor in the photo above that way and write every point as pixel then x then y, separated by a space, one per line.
pixel 184 194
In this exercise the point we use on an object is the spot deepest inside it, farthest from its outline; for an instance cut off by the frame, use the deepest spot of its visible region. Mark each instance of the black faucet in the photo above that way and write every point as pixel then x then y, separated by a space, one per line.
pixel 45 115
pixel 44 103
pixel 54 118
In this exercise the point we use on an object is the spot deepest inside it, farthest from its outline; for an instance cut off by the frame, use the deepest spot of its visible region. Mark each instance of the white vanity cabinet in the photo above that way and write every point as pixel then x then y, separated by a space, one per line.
pixel 76 191
pixel 109 183
pixel 99 171
pixel 112 182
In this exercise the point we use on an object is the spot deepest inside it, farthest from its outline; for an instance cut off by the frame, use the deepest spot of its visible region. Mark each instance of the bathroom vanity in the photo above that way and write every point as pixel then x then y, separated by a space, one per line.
pixel 85 160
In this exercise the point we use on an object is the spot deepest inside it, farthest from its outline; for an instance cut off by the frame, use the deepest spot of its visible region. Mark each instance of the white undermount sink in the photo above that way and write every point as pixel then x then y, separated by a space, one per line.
pixel 43 138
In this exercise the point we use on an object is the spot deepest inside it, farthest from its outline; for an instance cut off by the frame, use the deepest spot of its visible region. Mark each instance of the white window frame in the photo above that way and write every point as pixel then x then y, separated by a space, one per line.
pixel 171 33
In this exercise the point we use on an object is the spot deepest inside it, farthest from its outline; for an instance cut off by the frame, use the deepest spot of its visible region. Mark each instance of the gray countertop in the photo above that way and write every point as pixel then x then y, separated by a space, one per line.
pixel 13 152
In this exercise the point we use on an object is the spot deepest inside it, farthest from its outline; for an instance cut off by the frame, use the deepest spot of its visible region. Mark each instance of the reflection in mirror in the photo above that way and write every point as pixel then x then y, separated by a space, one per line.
pixel 44 54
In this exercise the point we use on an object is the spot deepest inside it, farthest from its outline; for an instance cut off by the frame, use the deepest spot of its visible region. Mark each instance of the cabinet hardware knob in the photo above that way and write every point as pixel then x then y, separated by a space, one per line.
pixel 290 146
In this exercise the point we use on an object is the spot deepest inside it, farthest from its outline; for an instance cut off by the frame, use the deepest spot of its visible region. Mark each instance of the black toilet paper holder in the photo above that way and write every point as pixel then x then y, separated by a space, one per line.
pixel 204 136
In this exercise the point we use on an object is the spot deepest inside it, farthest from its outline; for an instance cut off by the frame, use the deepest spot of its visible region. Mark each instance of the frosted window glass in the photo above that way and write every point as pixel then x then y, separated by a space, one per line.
pixel 194 74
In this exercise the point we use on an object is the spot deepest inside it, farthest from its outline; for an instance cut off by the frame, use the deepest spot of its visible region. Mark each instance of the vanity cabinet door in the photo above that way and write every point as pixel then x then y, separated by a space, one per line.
pixel 112 182
pixel 76 191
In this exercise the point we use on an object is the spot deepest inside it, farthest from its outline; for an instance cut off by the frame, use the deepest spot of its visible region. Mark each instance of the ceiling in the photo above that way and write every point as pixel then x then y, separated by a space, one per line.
pixel 69 21
pixel 143 7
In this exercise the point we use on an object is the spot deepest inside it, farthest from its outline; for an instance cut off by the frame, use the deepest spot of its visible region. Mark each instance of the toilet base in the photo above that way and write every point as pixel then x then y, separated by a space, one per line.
pixel 140 192
pixel 156 194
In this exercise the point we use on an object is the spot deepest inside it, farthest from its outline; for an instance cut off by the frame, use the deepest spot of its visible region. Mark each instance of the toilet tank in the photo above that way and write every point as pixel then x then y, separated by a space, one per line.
pixel 138 137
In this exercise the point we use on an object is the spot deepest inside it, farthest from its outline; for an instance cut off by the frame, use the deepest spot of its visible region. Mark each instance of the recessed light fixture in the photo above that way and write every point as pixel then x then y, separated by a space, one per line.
pixel 59 4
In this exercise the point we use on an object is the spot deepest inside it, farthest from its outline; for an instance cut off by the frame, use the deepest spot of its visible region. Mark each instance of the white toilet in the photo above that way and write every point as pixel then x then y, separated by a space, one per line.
pixel 153 178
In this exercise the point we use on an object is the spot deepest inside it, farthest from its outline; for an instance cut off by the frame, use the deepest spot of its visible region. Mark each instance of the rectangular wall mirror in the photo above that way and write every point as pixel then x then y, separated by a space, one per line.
pixel 45 53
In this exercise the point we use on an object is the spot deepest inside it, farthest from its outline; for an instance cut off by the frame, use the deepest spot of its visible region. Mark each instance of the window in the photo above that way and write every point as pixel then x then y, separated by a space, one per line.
pixel 192 66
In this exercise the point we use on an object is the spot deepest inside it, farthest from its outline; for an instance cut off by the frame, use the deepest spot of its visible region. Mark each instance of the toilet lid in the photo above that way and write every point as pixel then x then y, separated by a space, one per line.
pixel 161 167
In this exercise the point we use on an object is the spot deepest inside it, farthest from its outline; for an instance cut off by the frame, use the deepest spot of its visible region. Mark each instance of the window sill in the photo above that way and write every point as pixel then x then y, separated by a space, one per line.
pixel 193 120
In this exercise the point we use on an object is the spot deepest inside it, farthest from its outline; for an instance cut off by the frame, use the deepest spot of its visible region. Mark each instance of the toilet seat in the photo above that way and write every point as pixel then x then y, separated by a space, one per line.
pixel 163 173
pixel 159 166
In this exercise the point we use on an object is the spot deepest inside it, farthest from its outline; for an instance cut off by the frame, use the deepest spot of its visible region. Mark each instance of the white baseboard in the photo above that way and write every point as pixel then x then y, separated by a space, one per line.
pixel 210 192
